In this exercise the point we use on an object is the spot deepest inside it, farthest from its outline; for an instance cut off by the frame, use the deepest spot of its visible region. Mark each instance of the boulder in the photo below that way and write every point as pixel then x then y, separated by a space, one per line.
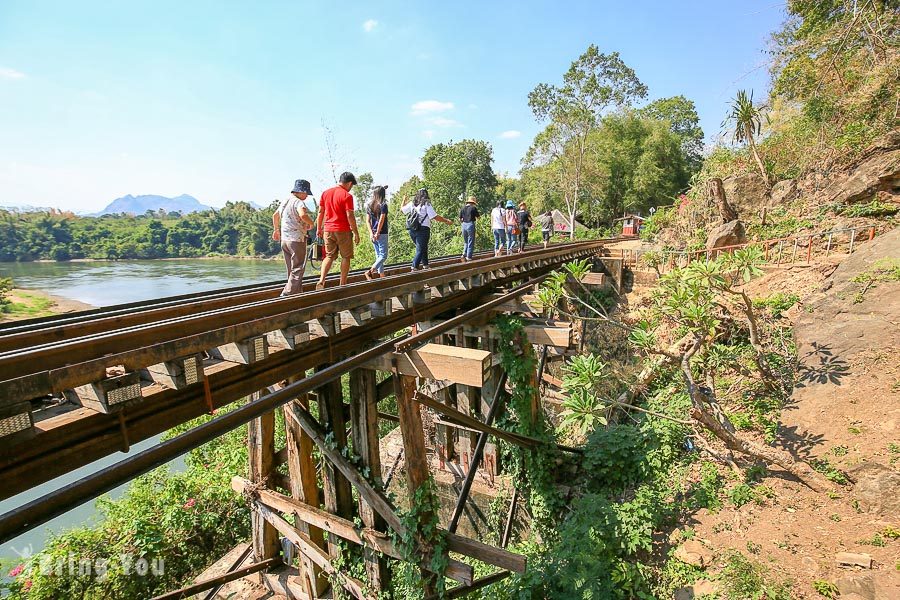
pixel 726 234
pixel 694 553
pixel 877 488
pixel 747 193
pixel 783 192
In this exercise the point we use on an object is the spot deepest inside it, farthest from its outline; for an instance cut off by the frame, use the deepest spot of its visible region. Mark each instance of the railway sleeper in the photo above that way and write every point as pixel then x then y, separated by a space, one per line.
pixel 108 395
pixel 245 352
pixel 16 423
pixel 289 338
pixel 176 374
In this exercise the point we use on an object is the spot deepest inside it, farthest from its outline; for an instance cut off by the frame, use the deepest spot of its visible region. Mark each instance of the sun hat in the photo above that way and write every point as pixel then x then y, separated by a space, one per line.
pixel 302 185
pixel 471 200
pixel 509 204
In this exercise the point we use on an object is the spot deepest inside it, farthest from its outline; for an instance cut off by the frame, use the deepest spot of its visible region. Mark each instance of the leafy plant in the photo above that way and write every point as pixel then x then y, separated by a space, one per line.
pixel 741 579
pixel 825 588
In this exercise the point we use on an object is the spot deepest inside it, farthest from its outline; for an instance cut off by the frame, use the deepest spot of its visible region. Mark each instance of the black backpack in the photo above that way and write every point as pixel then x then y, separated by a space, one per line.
pixel 414 219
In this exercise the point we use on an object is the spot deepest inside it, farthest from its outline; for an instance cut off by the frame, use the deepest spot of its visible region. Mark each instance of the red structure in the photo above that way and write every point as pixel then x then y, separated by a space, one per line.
pixel 631 224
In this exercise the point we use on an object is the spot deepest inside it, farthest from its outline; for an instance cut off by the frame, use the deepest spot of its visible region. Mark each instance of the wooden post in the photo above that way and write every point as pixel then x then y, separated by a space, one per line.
pixel 261 440
pixel 305 488
pixel 338 494
pixel 364 429
pixel 414 449
pixel 489 391
pixel 467 399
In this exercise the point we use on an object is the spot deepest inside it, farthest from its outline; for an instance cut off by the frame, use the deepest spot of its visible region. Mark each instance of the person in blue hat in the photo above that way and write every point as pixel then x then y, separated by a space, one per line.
pixel 292 223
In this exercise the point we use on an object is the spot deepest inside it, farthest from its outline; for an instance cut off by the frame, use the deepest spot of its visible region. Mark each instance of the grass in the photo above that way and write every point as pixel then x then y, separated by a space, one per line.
pixel 24 305
pixel 742 578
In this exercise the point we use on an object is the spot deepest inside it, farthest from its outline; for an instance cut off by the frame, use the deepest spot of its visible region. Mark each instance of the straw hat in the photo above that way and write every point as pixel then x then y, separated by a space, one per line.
pixel 471 200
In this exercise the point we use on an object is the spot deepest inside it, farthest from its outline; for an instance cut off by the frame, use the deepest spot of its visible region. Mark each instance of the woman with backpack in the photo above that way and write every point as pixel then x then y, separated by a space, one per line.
pixel 377 224
pixel 419 215
pixel 511 220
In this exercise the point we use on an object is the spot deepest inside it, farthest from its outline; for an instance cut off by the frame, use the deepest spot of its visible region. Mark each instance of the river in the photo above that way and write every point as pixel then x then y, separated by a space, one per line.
pixel 102 284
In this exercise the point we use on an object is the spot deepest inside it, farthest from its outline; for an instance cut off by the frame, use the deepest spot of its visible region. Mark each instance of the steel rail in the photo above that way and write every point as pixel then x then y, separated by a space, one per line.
pixel 53 504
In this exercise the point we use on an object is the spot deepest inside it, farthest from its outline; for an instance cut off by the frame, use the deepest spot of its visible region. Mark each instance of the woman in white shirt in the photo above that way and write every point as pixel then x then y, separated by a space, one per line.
pixel 419 226
pixel 499 228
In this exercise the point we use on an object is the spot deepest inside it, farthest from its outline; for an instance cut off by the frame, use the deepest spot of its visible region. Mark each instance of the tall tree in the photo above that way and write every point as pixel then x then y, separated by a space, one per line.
pixel 746 118
pixel 681 114
pixel 593 83
pixel 458 169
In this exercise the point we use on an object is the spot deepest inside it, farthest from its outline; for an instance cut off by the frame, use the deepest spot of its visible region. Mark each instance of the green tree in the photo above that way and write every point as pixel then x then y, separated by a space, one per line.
pixel 593 83
pixel 746 118
pixel 681 114
pixel 456 170
pixel 365 183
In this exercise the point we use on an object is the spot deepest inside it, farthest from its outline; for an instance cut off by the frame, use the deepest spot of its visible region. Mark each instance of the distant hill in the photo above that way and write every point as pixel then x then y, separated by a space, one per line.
pixel 138 205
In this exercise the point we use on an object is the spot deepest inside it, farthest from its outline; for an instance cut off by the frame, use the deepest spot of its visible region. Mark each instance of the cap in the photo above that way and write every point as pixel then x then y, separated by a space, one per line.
pixel 302 185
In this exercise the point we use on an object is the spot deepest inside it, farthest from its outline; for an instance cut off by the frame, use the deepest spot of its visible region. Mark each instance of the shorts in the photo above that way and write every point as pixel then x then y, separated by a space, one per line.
pixel 545 233
pixel 339 241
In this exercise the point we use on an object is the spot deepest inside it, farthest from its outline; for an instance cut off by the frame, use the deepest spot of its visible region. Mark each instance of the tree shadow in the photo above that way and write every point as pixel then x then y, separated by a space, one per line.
pixel 798 443
pixel 828 369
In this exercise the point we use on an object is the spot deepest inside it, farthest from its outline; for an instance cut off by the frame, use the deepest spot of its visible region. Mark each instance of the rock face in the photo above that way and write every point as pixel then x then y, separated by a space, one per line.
pixel 877 488
pixel 783 192
pixel 747 193
pixel 726 234
pixel 883 586
pixel 877 172
pixel 694 553
pixel 700 588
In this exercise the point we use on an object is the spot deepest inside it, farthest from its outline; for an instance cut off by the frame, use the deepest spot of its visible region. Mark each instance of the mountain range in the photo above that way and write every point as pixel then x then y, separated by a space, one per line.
pixel 138 205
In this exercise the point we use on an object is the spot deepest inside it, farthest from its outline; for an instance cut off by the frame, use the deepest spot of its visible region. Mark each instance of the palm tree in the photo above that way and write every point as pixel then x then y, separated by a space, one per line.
pixel 747 120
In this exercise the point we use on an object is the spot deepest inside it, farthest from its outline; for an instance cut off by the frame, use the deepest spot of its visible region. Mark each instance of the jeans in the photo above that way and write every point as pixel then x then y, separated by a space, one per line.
pixel 381 249
pixel 511 238
pixel 468 231
pixel 499 239
pixel 420 238
pixel 523 238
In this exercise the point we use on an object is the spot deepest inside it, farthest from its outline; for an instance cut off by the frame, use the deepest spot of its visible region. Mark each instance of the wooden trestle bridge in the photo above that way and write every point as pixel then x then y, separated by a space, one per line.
pixel 78 387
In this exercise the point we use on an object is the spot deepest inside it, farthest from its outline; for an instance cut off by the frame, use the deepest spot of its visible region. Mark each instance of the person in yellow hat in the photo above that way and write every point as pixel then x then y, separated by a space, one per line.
pixel 468 214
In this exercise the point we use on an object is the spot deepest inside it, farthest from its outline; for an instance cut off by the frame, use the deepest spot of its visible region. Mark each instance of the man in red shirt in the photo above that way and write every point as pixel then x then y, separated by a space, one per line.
pixel 334 224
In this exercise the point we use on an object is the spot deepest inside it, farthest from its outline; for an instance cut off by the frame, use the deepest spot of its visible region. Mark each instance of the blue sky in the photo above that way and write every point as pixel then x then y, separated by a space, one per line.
pixel 226 100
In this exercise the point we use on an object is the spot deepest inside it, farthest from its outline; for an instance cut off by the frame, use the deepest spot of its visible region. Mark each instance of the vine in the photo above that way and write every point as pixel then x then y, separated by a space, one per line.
pixel 534 467
pixel 421 524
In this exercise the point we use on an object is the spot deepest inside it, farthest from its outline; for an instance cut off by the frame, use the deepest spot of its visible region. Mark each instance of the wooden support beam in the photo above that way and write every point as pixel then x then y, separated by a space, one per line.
pixel 177 374
pixel 417 473
pixel 380 502
pixel 304 487
pixel 490 392
pixel 386 388
pixel 540 332
pixel 364 419
pixel 435 361
pixel 245 352
pixel 16 423
pixel 305 545
pixel 337 491
pixel 355 316
pixel 325 326
pixel 289 338
pixel 467 398
pixel 108 395
pixel 348 530
pixel 261 440
pixel 465 590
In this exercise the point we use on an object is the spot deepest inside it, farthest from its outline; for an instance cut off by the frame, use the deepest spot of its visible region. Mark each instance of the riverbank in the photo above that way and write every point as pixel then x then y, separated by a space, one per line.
pixel 29 304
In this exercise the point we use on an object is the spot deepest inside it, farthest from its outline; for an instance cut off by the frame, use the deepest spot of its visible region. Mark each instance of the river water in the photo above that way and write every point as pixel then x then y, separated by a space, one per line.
pixel 104 284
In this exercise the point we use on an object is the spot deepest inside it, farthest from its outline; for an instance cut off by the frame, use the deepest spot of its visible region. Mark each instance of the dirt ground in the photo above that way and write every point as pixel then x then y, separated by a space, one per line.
pixel 27 304
pixel 845 408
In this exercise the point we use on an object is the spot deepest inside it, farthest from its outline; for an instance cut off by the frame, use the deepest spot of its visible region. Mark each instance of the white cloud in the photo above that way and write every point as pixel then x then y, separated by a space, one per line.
pixel 510 134
pixel 370 25
pixel 428 134
pixel 424 107
pixel 444 122
pixel 7 73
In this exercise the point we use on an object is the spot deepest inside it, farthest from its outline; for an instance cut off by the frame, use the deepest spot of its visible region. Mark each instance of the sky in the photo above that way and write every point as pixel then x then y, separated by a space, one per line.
pixel 233 100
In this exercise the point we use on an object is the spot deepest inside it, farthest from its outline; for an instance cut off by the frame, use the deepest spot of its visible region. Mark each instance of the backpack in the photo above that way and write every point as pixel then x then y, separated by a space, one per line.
pixel 414 219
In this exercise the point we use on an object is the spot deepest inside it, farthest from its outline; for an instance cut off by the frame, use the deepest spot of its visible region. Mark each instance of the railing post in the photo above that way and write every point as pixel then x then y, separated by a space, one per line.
pixel 871 233
pixel 828 247
pixel 808 248
pixel 852 239
pixel 794 253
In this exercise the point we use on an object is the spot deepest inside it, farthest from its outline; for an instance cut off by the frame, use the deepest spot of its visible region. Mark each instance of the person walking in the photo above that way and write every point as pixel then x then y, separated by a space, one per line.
pixel 525 223
pixel 419 215
pixel 511 222
pixel 334 224
pixel 291 224
pixel 498 227
pixel 547 225
pixel 377 224
pixel 467 216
